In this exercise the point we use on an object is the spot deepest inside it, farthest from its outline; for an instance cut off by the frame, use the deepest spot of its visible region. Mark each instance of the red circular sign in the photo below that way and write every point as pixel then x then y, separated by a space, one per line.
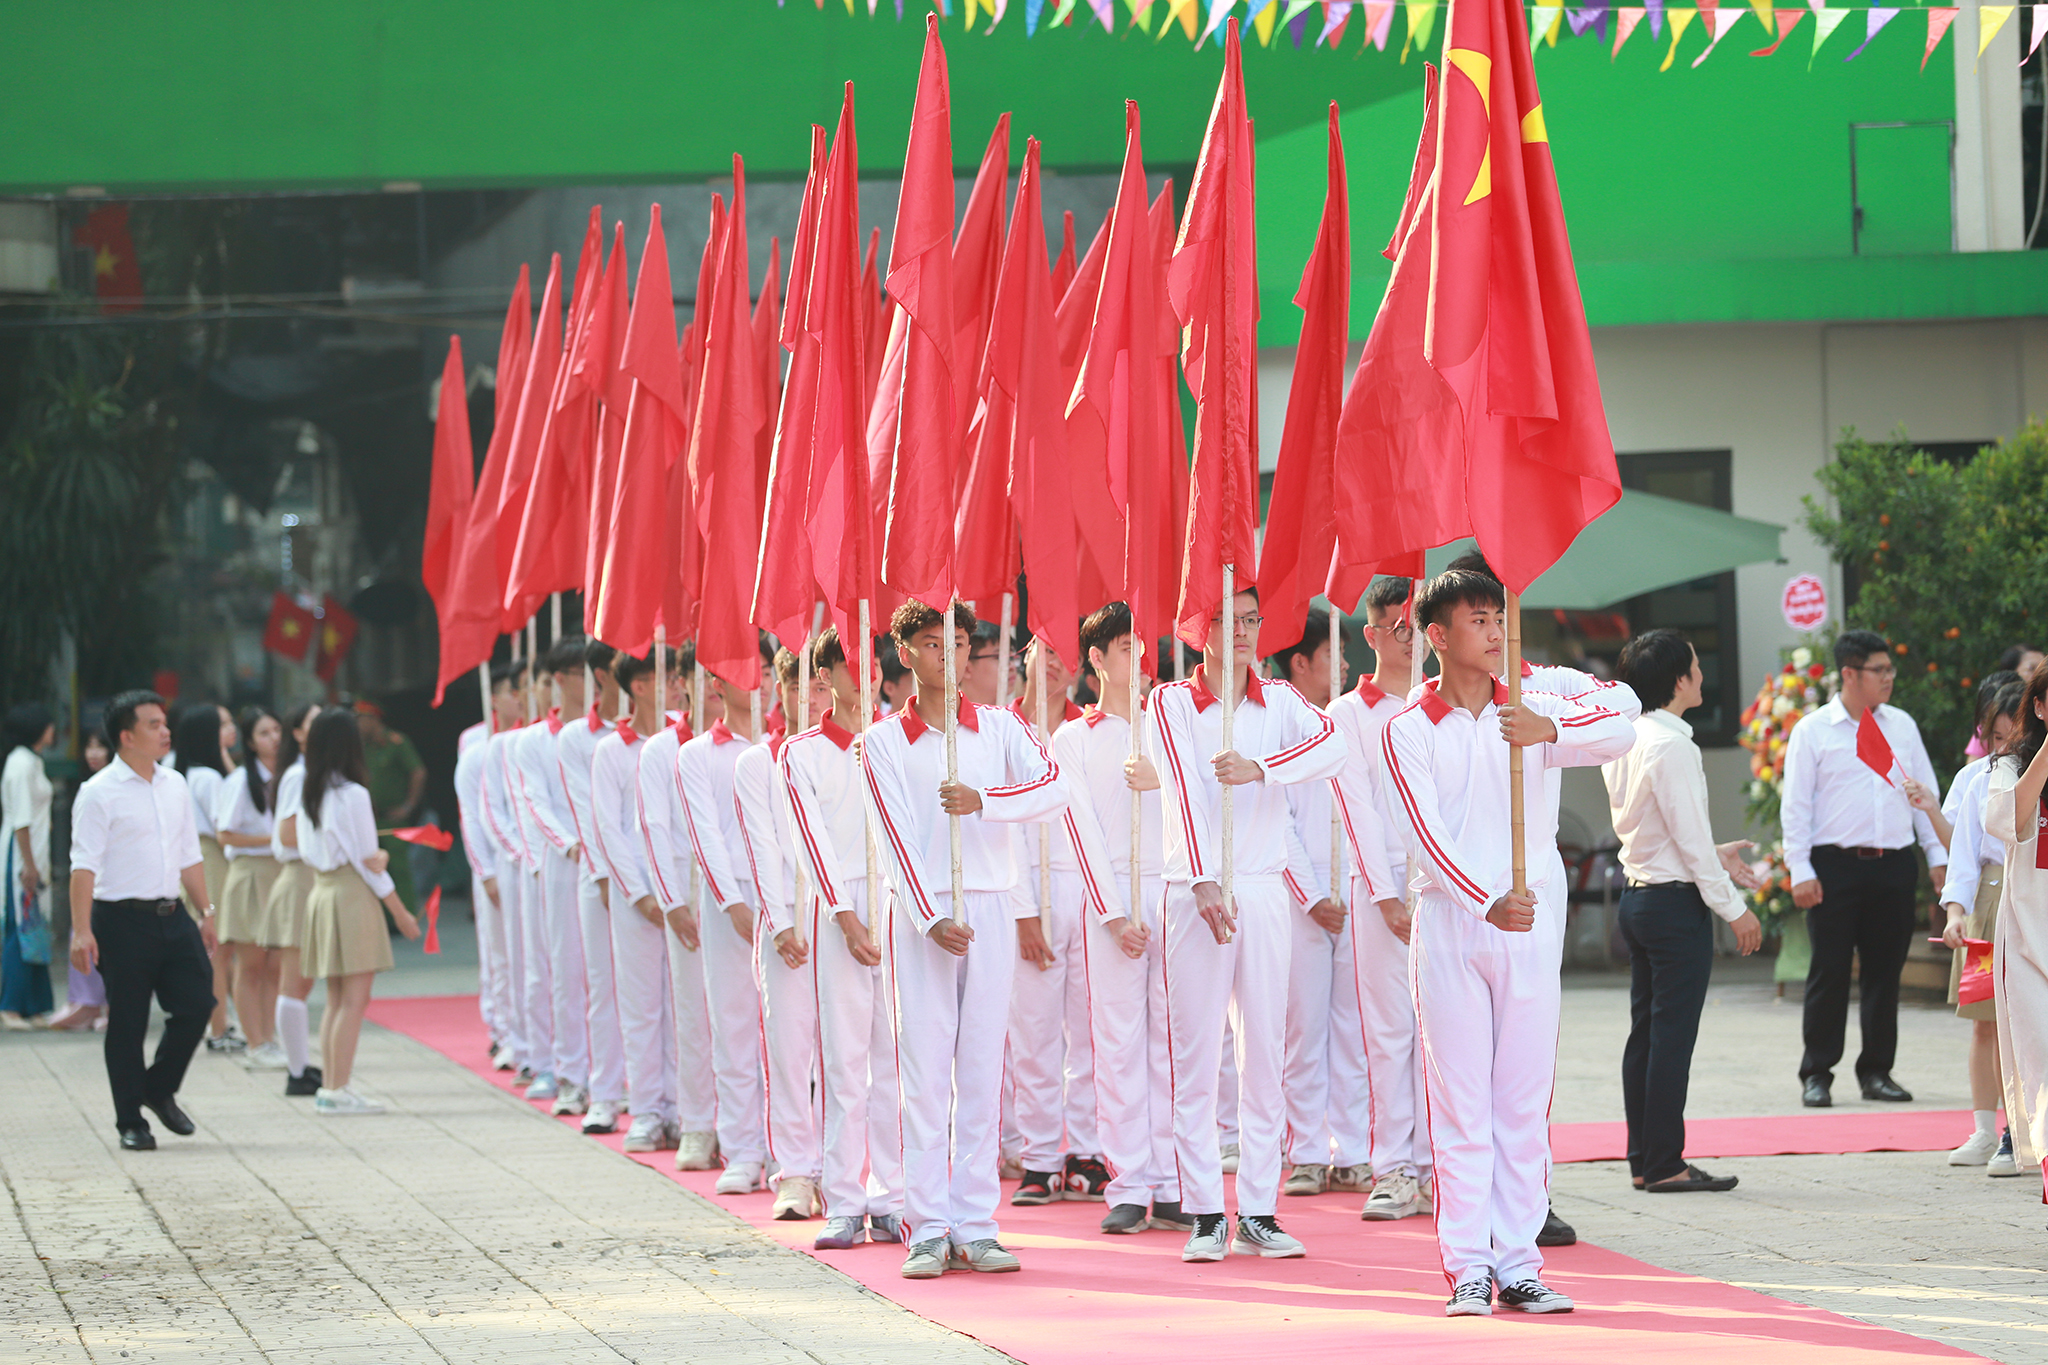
pixel 1805 602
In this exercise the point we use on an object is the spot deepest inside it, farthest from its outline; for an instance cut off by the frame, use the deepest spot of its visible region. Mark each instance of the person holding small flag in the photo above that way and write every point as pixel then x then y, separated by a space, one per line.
pixel 1849 835
pixel 2016 811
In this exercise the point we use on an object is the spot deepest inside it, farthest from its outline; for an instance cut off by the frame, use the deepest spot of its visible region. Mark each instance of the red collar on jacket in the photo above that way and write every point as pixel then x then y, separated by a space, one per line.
pixel 554 720
pixel 1254 692
pixel 1369 692
pixel 914 726
pixel 1436 708
pixel 627 732
pixel 834 731
pixel 1073 712
pixel 595 723
pixel 721 733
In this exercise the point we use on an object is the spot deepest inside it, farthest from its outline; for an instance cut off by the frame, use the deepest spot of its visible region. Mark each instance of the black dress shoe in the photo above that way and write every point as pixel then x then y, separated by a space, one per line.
pixel 1883 1087
pixel 138 1139
pixel 174 1118
pixel 1556 1232
pixel 1815 1095
pixel 1692 1178
pixel 307 1082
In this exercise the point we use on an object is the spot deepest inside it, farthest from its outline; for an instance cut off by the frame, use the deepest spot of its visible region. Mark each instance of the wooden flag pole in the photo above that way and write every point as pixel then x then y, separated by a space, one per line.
pixel 1137 797
pixel 1045 738
pixel 532 667
pixel 1518 847
pixel 795 726
pixel 660 675
pixel 1418 655
pixel 1227 695
pixel 1336 817
pixel 867 790
pixel 696 719
pixel 555 635
pixel 1003 651
pixel 952 695
pixel 483 688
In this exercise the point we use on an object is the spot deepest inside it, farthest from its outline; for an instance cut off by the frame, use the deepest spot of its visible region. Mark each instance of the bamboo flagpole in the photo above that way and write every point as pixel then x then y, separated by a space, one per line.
pixel 1045 738
pixel 1137 797
pixel 696 719
pixel 532 668
pixel 483 688
pixel 1227 695
pixel 952 696
pixel 1336 816
pixel 1518 846
pixel 1003 651
pixel 867 790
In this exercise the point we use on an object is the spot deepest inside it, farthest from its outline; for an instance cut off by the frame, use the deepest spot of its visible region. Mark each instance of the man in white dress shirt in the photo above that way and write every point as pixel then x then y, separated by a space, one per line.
pixel 1678 880
pixel 133 845
pixel 1849 835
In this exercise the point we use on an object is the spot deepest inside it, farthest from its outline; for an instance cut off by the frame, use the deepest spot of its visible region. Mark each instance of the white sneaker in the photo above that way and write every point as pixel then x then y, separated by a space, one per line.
pixel 696 1151
pixel 1534 1296
pixel 645 1134
pixel 1976 1151
pixel 544 1087
pixel 503 1060
pixel 984 1254
pixel 1260 1235
pixel 1229 1155
pixel 601 1117
pixel 1211 1238
pixel 1428 1196
pixel 1307 1178
pixel 1351 1177
pixel 796 1199
pixel 2002 1161
pixel 1393 1196
pixel 742 1177
pixel 1471 1299
pixel 571 1098
pixel 266 1057
pixel 342 1103
pixel 927 1260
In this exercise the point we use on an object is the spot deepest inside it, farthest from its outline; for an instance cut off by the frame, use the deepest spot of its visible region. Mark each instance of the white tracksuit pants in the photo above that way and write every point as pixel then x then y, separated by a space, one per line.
pixel 647 1030
pixel 1245 980
pixel 567 979
pixel 601 995
pixel 537 976
pixel 1386 1024
pixel 494 968
pixel 694 1081
pixel 1052 1063
pixel 1133 1086
pixel 789 1024
pixel 862 1151
pixel 512 883
pixel 1329 1119
pixel 733 1002
pixel 951 1014
pixel 1488 1006
pixel 1227 1098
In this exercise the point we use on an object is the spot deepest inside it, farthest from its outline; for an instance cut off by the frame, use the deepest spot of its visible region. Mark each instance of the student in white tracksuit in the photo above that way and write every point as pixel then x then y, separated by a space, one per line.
pixel 1052 1064
pixel 480 850
pixel 549 817
pixel 1231 960
pixel 1485 958
pixel 785 957
pixel 575 743
pixel 727 905
pixel 861 1156
pixel 1122 953
pixel 515 868
pixel 952 978
pixel 523 750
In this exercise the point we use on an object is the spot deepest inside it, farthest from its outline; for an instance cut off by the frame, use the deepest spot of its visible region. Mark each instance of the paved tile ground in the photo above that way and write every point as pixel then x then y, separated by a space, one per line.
pixel 462 1227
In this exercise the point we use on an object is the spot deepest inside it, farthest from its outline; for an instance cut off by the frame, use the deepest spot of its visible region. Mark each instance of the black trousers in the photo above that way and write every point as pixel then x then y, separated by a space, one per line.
pixel 1865 913
pixel 1670 937
pixel 143 953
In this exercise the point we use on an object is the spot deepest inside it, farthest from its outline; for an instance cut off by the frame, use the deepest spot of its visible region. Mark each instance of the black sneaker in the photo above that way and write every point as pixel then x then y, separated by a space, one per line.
pixel 1533 1296
pixel 1168 1217
pixel 306 1084
pixel 1126 1218
pixel 1471 1299
pixel 1038 1187
pixel 1086 1179
pixel 1556 1232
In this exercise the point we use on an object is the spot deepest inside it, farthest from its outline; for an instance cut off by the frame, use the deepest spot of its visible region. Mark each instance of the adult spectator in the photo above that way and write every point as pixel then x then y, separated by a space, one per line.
pixel 398 779
pixel 2023 659
pixel 1678 881
pixel 133 845
pixel 205 733
pixel 25 1000
pixel 1849 835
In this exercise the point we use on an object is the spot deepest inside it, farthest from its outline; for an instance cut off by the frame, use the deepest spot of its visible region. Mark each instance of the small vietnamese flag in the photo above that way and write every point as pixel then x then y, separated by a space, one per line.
pixel 427 836
pixel 1873 748
pixel 430 942
pixel 289 633
pixel 337 636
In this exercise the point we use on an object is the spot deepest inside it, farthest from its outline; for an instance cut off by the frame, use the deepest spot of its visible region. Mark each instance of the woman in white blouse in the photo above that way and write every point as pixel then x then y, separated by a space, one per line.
pixel 345 940
pixel 200 744
pixel 2014 810
pixel 25 998
pixel 242 823
pixel 285 912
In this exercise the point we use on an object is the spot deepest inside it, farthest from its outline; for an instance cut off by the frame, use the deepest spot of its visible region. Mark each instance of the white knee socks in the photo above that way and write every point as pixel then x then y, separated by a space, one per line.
pixel 291 1032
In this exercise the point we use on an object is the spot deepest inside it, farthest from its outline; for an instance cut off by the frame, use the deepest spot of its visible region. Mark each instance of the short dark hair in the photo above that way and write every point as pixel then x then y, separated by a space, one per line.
pixel 827 651
pixel 598 656
pixel 785 666
pixel 1315 635
pixel 1388 590
pixel 627 668
pixel 1472 561
pixel 197 738
pixel 334 752
pixel 914 617
pixel 121 711
pixel 1652 663
pixel 25 725
pixel 2009 662
pixel 1104 626
pixel 1456 588
pixel 510 671
pixel 1854 647
pixel 985 633
pixel 564 655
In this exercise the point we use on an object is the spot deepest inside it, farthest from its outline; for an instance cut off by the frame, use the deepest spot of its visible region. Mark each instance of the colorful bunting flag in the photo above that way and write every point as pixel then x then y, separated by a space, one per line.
pixel 1763 16
pixel 1379 22
pixel 1421 18
pixel 1679 19
pixel 1873 20
pixel 1990 19
pixel 2040 26
pixel 1625 20
pixel 1786 23
pixel 1719 21
pixel 1825 22
pixel 1543 20
pixel 1939 17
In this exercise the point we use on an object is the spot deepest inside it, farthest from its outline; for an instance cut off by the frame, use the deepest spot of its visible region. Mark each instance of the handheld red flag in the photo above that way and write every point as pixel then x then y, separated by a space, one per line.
pixel 289 632
pixel 874 314
pixel 767 330
pixel 977 259
pixel 452 483
pixel 430 941
pixel 338 627
pixel 522 453
pixel 1213 282
pixel 426 836
pixel 1063 264
pixel 1301 527
pixel 1873 748
pixel 597 369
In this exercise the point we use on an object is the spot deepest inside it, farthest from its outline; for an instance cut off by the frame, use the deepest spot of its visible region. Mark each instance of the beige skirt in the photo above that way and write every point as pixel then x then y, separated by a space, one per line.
pixel 213 862
pixel 345 933
pixel 244 909
pixel 1981 923
pixel 284 913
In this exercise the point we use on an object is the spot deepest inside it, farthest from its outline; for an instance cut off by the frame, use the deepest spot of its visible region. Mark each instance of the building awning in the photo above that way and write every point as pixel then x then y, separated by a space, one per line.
pixel 1643 543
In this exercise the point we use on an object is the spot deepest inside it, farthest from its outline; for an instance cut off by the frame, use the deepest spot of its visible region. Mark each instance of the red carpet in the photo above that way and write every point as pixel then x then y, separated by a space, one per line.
pixel 1824 1132
pixel 1086 1298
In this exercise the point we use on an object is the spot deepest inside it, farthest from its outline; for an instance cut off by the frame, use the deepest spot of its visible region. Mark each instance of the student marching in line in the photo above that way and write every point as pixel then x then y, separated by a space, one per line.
pixel 1121 956
pixel 861 1151
pixel 726 908
pixel 534 1034
pixel 575 744
pixel 346 943
pixel 1485 957
pixel 952 977
pixel 495 999
pixel 1052 1063
pixel 242 820
pixel 524 746
pixel 785 961
pixel 1231 960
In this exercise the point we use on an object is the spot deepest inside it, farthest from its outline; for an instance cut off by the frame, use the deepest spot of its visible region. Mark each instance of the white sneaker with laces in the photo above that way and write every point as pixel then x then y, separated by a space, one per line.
pixel 1260 1235
pixel 1534 1296
pixel 984 1254
pixel 502 1059
pixel 696 1151
pixel 2002 1161
pixel 544 1087
pixel 342 1104
pixel 1393 1196
pixel 601 1117
pixel 1976 1149
pixel 571 1098
pixel 266 1057
pixel 927 1260
pixel 1210 1240
pixel 1471 1299
pixel 1307 1178
pixel 645 1134
pixel 796 1199
pixel 1351 1177
pixel 841 1234
pixel 742 1177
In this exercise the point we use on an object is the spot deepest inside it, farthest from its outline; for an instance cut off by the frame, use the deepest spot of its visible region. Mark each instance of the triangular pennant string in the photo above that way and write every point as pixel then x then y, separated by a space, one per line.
pixel 1421 17
pixel 1541 18
pixel 2040 26
pixel 1825 22
pixel 1379 22
pixel 1874 20
pixel 1990 19
pixel 1763 16
pixel 1938 20
pixel 1787 21
pixel 1656 9
pixel 1625 20
pixel 1679 19
pixel 1718 24
pixel 1333 24
pixel 1556 23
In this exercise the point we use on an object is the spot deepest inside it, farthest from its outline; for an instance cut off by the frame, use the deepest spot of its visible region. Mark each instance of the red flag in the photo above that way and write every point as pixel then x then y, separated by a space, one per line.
pixel 724 446
pixel 1214 285
pixel 767 331
pixel 1160 552
pixel 874 312
pixel 1027 420
pixel 784 587
pixel 547 554
pixel 1872 747
pixel 1063 264
pixel 977 259
pixel 426 836
pixel 453 482
pixel 917 553
pixel 289 632
pixel 116 269
pixel 1074 314
pixel 522 453
pixel 430 941
pixel 1301 528
pixel 477 605
pixel 337 636
pixel 841 519
pixel 683 582
pixel 597 369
